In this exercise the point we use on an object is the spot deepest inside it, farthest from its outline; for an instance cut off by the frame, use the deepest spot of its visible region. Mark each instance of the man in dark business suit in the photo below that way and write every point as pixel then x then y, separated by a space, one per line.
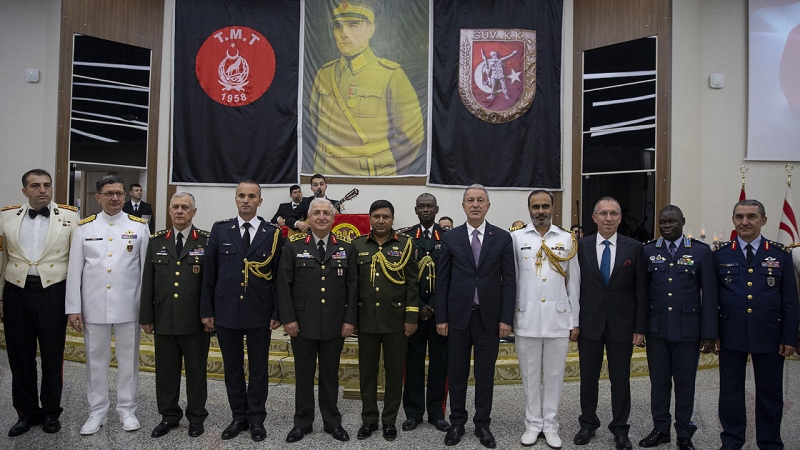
pixel 613 315
pixel 758 317
pixel 318 297
pixel 475 292
pixel 138 207
pixel 285 210
pixel 239 299
pixel 171 283
pixel 297 220
pixel 682 320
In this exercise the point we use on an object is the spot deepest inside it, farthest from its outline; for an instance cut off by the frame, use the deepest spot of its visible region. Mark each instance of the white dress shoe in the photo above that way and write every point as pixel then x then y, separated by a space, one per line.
pixel 130 423
pixel 92 425
pixel 552 439
pixel 529 438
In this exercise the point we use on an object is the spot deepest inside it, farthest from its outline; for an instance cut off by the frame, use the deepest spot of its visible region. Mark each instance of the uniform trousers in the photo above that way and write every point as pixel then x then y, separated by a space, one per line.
pixel 486 345
pixel 541 362
pixel 306 352
pixel 394 356
pixel 668 361
pixel 618 355
pixel 171 351
pixel 768 374
pixel 415 397
pixel 35 314
pixel 97 338
pixel 247 401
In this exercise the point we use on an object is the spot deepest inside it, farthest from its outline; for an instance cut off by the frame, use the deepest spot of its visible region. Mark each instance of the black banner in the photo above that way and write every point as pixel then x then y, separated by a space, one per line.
pixel 496 94
pixel 235 91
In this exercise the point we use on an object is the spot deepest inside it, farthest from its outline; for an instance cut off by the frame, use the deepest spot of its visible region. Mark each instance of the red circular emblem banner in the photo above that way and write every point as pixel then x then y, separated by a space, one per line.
pixel 235 66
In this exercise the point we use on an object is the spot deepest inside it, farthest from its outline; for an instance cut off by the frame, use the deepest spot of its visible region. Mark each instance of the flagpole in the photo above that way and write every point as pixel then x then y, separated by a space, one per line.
pixel 788 167
pixel 743 171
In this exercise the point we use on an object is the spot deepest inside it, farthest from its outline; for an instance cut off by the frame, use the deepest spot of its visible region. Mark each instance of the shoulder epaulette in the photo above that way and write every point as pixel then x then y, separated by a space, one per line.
pixel 224 220
pixel 363 236
pixel 518 227
pixel 563 229
pixel 699 242
pixel 388 64
pixel 297 237
pixel 203 233
pixel 723 245
pixel 11 207
pixel 780 246
pixel 69 207
pixel 651 241
pixel 344 239
pixel 136 219
pixel 158 234
pixel 400 233
pixel 406 229
pixel 88 219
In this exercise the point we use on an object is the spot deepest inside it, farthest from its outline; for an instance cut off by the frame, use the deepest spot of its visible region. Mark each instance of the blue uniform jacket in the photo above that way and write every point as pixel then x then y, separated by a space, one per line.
pixel 683 291
pixel 758 304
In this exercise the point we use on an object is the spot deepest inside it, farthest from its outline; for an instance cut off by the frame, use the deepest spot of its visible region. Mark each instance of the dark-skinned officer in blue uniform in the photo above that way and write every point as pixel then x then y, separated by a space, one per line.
pixel 427 241
pixel 758 317
pixel 682 322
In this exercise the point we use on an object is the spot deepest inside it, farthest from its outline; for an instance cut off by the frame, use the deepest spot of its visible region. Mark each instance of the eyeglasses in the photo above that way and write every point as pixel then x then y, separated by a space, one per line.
pixel 613 214
pixel 113 194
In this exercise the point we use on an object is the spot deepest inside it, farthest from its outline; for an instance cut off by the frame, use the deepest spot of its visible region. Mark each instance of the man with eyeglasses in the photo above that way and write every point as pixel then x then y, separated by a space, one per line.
pixel 318 297
pixel 758 319
pixel 104 277
pixel 613 315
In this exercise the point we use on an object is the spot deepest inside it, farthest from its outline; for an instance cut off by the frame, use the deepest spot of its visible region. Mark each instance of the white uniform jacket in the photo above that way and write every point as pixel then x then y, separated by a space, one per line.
pixel 106 260
pixel 547 303
pixel 52 263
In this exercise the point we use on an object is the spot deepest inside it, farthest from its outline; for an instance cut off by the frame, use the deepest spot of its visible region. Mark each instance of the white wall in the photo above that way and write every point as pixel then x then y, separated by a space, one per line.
pixel 708 126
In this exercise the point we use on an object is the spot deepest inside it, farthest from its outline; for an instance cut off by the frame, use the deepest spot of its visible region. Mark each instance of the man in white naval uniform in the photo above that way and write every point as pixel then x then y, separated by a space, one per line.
pixel 546 314
pixel 103 293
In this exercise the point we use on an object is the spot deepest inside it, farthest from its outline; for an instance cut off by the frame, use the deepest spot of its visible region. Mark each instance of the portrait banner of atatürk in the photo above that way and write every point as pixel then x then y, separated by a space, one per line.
pixel 497 72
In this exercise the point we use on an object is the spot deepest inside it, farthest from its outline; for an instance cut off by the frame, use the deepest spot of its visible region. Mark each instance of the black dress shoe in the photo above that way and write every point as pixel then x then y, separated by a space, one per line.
pixel 162 429
pixel 584 436
pixel 338 433
pixel 22 426
pixel 196 429
pixel 51 425
pixel 622 441
pixel 454 434
pixel 389 432
pixel 486 437
pixel 685 444
pixel 366 430
pixel 410 424
pixel 441 424
pixel 297 434
pixel 234 429
pixel 257 431
pixel 653 439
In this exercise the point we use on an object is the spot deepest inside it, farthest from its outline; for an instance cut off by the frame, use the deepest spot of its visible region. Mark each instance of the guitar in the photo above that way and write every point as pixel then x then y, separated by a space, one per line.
pixel 336 205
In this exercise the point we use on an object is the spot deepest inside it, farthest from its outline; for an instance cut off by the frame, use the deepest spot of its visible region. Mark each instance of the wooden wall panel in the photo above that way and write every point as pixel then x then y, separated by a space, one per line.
pixel 139 23
pixel 598 23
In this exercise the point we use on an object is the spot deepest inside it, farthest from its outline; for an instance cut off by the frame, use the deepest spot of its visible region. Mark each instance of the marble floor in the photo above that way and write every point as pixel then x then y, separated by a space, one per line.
pixel 507 417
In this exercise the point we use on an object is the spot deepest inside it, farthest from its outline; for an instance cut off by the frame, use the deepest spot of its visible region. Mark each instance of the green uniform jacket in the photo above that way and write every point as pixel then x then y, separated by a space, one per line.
pixel 319 295
pixel 383 305
pixel 171 283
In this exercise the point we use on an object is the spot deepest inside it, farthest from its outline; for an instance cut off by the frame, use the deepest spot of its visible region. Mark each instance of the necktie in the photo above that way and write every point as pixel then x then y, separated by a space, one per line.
pixel 476 253
pixel 246 237
pixel 321 248
pixel 45 212
pixel 672 249
pixel 135 208
pixel 179 244
pixel 427 234
pixel 749 249
pixel 605 262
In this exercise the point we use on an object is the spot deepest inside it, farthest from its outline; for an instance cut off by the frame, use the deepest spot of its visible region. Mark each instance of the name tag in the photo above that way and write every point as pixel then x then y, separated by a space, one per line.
pixel 162 253
pixel 363 254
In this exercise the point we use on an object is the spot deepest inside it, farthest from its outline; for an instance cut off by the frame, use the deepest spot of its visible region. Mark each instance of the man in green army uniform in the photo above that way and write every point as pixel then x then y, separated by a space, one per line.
pixel 387 314
pixel 317 300
pixel 363 109
pixel 428 240
pixel 171 282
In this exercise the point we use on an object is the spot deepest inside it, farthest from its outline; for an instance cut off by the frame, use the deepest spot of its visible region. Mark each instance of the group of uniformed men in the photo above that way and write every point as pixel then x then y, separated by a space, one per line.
pixel 405 293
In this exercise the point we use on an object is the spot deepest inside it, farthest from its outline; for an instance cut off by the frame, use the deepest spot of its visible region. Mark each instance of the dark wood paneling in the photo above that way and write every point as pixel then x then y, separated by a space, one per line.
pixel 139 23
pixel 598 23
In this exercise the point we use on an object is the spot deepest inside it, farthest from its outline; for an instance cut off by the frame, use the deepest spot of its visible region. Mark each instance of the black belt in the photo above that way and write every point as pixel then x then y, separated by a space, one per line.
pixel 33 282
